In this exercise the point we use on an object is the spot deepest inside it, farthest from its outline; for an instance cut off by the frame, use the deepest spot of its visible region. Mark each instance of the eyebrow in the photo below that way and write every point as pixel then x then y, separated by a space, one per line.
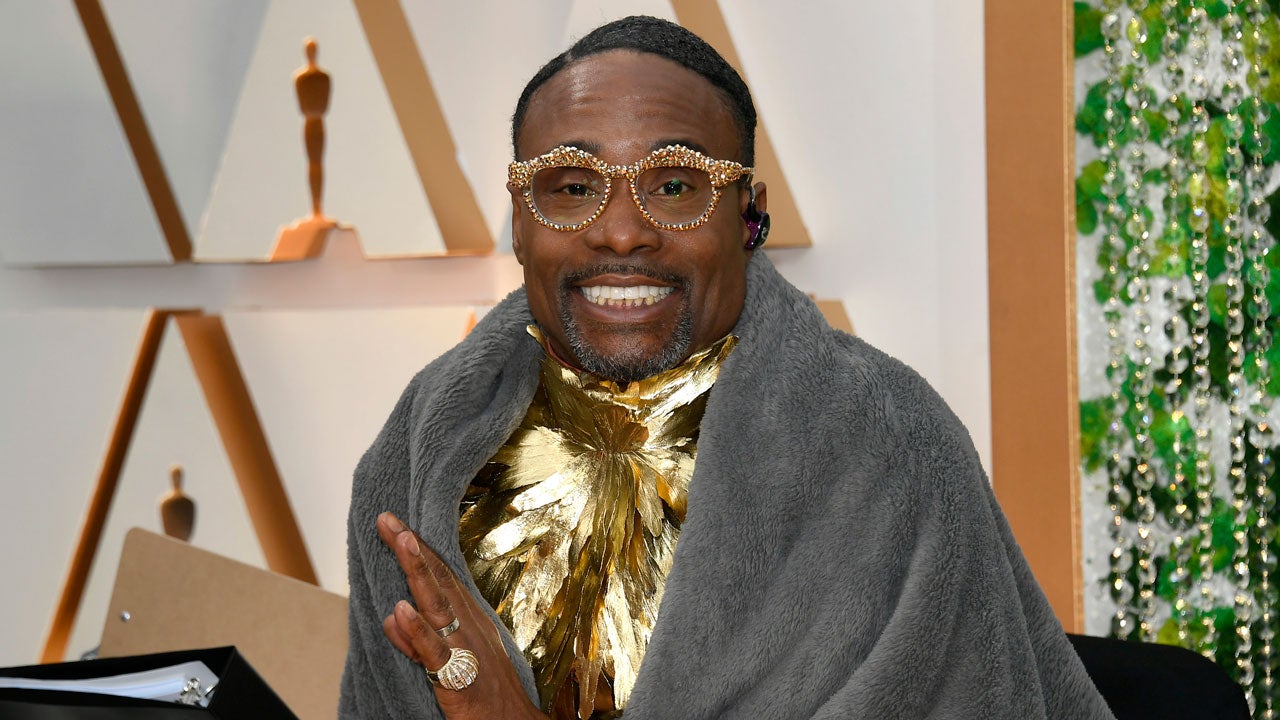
pixel 587 145
pixel 682 143
pixel 594 147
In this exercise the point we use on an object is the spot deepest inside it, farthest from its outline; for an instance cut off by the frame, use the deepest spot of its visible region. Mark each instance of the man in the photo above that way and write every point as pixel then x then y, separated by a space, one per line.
pixel 839 554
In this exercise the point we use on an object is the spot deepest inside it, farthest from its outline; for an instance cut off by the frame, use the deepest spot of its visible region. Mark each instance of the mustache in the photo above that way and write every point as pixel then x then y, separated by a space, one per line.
pixel 644 269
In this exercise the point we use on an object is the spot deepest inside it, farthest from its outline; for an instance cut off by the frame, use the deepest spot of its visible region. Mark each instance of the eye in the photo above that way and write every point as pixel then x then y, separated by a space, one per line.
pixel 673 187
pixel 577 190
pixel 672 183
pixel 569 182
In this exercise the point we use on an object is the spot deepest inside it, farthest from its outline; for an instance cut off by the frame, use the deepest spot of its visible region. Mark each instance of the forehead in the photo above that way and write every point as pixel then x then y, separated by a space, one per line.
pixel 622 104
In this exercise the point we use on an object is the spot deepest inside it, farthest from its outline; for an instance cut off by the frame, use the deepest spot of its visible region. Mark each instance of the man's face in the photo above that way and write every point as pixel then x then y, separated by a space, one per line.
pixel 620 106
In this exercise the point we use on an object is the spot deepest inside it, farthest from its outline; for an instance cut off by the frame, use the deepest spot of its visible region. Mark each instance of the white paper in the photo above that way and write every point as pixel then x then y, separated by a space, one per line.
pixel 164 684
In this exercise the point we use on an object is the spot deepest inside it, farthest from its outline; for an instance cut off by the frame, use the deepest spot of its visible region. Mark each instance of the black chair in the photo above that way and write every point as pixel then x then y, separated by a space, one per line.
pixel 1144 681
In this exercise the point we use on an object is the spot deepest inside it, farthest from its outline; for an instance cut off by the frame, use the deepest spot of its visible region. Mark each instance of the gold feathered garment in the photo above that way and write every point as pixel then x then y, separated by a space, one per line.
pixel 570 529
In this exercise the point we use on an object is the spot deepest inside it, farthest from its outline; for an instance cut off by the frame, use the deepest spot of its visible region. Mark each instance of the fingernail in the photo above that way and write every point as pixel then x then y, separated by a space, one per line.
pixel 414 547
pixel 393 523
pixel 405 609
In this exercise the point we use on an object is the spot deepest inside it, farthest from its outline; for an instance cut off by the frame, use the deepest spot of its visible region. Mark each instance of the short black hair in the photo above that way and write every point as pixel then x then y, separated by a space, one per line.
pixel 663 38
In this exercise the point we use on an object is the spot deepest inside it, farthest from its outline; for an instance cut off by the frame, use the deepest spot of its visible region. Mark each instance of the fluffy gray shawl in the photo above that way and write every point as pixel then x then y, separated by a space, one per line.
pixel 843 555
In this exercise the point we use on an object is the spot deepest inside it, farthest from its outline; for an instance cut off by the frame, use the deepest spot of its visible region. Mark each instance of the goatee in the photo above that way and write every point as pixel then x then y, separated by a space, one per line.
pixel 635 363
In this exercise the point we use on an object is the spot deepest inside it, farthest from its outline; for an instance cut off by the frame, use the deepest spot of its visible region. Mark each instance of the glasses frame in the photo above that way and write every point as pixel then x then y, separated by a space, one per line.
pixel 722 172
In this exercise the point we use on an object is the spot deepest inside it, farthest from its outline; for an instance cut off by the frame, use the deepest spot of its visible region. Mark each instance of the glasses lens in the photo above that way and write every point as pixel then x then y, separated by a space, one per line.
pixel 567 195
pixel 675 195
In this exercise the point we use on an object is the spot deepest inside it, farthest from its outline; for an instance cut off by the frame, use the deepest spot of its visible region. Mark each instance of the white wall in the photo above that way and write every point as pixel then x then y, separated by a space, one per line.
pixel 876 111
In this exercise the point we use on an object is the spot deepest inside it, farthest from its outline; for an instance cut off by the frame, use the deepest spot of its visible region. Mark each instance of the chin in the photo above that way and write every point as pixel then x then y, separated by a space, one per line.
pixel 624 357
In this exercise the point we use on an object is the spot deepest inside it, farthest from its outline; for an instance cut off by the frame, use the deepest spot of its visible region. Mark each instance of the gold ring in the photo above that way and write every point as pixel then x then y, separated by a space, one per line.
pixel 459 672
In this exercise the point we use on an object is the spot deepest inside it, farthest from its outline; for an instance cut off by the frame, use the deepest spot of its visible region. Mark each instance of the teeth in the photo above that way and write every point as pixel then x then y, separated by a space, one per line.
pixel 632 296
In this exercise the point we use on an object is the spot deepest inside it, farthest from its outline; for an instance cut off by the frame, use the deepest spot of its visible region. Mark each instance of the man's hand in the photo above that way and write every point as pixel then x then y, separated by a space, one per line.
pixel 496 691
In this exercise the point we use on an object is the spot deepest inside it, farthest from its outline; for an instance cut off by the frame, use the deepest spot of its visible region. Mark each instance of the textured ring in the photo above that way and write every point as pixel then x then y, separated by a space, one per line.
pixel 449 629
pixel 459 672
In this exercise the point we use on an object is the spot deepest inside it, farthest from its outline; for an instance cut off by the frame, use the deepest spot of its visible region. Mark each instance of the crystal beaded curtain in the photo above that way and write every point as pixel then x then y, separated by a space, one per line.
pixel 1177 140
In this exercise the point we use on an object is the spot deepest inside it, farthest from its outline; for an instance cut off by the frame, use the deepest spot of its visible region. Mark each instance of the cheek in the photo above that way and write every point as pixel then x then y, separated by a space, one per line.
pixel 542 273
pixel 722 289
pixel 543 291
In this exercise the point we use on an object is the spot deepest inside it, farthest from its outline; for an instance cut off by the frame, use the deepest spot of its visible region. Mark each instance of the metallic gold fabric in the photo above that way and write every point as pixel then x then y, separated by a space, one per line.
pixel 570 528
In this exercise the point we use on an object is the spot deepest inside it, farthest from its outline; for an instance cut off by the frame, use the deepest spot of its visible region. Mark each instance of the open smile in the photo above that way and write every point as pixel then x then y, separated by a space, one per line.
pixel 624 296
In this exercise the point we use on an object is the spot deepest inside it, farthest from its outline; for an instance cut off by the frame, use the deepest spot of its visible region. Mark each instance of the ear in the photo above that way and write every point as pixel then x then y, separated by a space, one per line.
pixel 744 200
pixel 762 197
pixel 517 226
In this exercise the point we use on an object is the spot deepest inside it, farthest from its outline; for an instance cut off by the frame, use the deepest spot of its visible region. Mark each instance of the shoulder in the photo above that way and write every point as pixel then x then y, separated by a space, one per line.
pixel 904 403
pixel 834 402
pixel 483 353
pixel 861 393
pixel 461 381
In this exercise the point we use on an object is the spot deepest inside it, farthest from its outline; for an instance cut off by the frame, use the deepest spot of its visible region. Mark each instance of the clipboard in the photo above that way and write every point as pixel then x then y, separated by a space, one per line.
pixel 177 597
pixel 237 691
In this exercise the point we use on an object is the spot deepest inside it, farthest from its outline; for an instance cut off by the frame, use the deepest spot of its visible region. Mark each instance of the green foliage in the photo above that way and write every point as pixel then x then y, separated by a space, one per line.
pixel 1088 29
pixel 1273 223
pixel 1223 619
pixel 1091 117
pixel 1088 194
pixel 1170 259
pixel 1271 60
pixel 1086 216
pixel 1089 184
pixel 1155 32
pixel 1223 542
pixel 1165 430
pixel 1095 416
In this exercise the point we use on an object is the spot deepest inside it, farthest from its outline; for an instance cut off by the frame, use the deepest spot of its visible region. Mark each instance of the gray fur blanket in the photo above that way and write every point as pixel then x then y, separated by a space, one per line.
pixel 843 555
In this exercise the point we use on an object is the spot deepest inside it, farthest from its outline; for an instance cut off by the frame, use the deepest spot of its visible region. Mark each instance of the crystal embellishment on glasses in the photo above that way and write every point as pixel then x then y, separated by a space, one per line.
pixel 674 187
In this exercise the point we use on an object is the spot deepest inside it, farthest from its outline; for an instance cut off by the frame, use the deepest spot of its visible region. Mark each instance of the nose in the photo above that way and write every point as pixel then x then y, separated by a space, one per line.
pixel 621 229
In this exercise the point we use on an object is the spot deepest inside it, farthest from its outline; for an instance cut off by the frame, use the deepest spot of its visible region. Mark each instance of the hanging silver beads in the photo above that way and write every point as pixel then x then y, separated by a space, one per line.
pixel 1183 189
pixel 1261 438
pixel 1198 260
pixel 1181 517
pixel 1120 561
pixel 1137 100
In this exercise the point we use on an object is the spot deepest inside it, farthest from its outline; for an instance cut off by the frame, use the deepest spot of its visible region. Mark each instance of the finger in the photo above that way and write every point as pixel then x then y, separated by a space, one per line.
pixel 429 648
pixel 434 606
pixel 389 527
pixel 445 600
pixel 413 556
pixel 444 578
pixel 460 605
pixel 392 630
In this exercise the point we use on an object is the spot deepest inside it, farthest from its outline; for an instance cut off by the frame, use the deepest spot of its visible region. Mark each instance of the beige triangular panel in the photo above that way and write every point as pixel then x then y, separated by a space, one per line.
pixel 370 179
pixel 324 383
pixel 73 191
pixel 837 317
pixel 430 144
pixel 174 426
pixel 65 372
pixel 197 51
pixel 478 97
pixel 704 18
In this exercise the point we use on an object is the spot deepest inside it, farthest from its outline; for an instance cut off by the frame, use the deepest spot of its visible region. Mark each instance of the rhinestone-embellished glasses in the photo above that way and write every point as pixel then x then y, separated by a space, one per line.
pixel 675 188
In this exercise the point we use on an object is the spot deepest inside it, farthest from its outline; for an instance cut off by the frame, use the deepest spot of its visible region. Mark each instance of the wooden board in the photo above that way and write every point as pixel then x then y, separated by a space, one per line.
pixel 1035 422
pixel 179 597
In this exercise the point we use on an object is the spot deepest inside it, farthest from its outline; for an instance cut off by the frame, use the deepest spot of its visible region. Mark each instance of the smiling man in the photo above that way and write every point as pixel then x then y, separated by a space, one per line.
pixel 653 483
